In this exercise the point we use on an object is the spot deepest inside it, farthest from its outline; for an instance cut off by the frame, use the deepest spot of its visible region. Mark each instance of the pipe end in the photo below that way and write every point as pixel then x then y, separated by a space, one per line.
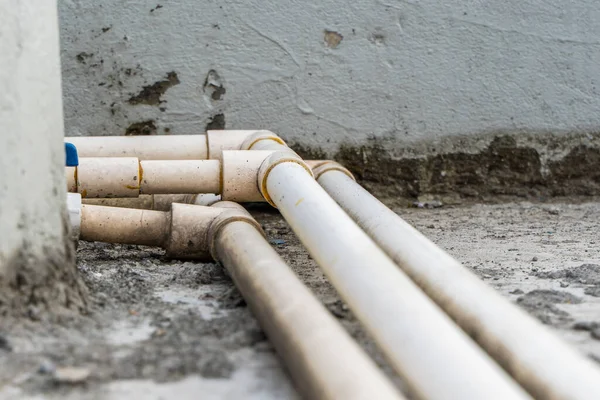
pixel 321 167
pixel 271 162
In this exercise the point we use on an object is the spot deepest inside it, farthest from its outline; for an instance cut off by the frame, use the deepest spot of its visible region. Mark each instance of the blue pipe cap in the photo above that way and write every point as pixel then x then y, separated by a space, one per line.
pixel 72 157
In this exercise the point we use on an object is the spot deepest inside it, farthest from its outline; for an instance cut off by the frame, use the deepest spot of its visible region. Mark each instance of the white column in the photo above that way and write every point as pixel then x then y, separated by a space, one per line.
pixel 33 220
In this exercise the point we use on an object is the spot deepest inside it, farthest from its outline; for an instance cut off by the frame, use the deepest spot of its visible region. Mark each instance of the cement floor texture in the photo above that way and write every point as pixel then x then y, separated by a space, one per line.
pixel 162 329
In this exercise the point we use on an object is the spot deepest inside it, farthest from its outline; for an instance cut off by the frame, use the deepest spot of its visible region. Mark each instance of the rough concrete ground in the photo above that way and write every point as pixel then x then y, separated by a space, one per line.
pixel 159 328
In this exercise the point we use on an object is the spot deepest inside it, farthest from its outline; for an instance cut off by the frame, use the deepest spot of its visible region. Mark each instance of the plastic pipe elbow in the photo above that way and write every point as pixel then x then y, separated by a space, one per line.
pixel 322 166
pixel 272 161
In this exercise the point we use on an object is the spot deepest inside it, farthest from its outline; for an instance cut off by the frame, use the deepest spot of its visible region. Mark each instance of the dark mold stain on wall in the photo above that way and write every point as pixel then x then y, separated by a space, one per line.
pixel 577 171
pixel 83 57
pixel 141 128
pixel 216 122
pixel 151 95
pixel 504 168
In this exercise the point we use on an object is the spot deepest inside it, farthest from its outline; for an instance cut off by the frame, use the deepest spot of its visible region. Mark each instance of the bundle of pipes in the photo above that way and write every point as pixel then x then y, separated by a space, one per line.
pixel 226 164
pixel 359 246
pixel 323 359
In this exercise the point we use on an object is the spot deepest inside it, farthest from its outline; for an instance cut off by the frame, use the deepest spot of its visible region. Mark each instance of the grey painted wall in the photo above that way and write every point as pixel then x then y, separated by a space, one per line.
pixel 334 71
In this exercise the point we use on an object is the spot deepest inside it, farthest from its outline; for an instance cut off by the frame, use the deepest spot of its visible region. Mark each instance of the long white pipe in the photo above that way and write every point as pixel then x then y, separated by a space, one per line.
pixel 322 358
pixel 167 147
pixel 546 366
pixel 437 359
pixel 124 225
pixel 112 177
pixel 180 176
pixel 234 176
pixel 158 202
pixel 171 147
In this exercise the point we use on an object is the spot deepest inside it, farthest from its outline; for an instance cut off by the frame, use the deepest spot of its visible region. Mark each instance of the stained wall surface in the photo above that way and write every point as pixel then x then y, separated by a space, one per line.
pixel 360 81
pixel 332 71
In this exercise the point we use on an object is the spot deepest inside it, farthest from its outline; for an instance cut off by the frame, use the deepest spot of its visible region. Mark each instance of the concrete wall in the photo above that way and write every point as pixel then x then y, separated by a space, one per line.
pixel 33 250
pixel 412 77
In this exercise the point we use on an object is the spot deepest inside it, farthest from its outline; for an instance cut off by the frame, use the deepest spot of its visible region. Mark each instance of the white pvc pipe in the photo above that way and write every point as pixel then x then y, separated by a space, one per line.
pixel 71 178
pixel 124 225
pixel 205 199
pixel 144 201
pixel 322 358
pixel 239 172
pixel 107 177
pixel 172 147
pixel 182 231
pixel 74 213
pixel 168 147
pixel 436 358
pixel 180 176
pixel 269 145
pixel 546 366
pixel 112 177
pixel 221 140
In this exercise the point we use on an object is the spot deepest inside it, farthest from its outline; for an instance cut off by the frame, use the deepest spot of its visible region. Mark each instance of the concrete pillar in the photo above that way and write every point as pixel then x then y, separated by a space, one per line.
pixel 37 269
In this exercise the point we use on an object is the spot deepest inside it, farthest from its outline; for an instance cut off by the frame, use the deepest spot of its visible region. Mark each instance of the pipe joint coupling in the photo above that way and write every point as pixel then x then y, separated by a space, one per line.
pixel 227 215
pixel 326 166
pixel 271 162
pixel 187 235
pixel 258 136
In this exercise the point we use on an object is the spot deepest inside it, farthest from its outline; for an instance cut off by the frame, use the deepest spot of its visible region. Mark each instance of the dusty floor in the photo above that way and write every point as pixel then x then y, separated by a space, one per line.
pixel 163 329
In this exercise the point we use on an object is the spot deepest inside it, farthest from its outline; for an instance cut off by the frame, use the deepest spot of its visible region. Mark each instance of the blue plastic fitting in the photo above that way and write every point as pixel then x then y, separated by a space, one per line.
pixel 72 157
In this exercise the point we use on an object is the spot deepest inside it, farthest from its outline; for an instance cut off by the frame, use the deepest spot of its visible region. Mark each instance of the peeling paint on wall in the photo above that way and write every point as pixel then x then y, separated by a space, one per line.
pixel 216 122
pixel 141 128
pixel 213 86
pixel 332 39
pixel 151 94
